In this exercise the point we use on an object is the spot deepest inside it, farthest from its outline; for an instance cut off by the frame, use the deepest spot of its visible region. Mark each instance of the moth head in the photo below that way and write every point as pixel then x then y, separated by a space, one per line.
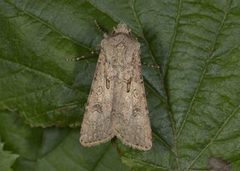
pixel 122 28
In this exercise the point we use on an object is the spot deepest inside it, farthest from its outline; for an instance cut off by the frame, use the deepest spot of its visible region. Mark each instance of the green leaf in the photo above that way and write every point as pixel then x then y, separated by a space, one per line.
pixel 193 99
pixel 53 148
pixel 6 159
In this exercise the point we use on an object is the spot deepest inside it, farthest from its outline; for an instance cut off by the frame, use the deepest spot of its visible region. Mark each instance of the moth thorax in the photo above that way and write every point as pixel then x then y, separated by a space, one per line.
pixel 122 28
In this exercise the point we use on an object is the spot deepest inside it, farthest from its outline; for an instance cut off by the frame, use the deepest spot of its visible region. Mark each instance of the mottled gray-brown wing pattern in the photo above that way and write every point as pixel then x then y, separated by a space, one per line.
pixel 97 121
pixel 133 125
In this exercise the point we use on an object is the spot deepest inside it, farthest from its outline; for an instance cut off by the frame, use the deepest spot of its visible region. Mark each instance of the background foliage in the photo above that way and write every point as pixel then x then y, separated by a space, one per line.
pixel 193 99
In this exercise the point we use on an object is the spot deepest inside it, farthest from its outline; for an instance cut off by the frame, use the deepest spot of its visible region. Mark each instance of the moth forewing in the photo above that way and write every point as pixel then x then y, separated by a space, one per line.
pixel 117 103
pixel 96 127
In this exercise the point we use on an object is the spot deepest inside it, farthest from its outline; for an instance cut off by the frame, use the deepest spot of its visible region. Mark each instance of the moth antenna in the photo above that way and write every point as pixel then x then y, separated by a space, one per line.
pixel 100 28
pixel 156 66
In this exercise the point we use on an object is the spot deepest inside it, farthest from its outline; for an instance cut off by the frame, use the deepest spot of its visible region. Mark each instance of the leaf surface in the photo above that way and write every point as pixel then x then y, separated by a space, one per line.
pixel 7 159
pixel 54 149
pixel 193 99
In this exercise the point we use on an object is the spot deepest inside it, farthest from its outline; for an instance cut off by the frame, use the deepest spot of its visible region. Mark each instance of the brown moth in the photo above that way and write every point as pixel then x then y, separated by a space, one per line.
pixel 117 103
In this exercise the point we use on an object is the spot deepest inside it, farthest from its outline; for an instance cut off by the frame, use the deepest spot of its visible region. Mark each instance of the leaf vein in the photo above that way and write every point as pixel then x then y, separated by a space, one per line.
pixel 168 59
pixel 235 111
pixel 204 70
pixel 26 94
pixel 37 72
pixel 45 23
pixel 100 158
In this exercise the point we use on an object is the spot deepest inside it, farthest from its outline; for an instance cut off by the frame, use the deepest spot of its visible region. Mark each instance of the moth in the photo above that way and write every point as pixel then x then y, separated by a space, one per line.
pixel 117 104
